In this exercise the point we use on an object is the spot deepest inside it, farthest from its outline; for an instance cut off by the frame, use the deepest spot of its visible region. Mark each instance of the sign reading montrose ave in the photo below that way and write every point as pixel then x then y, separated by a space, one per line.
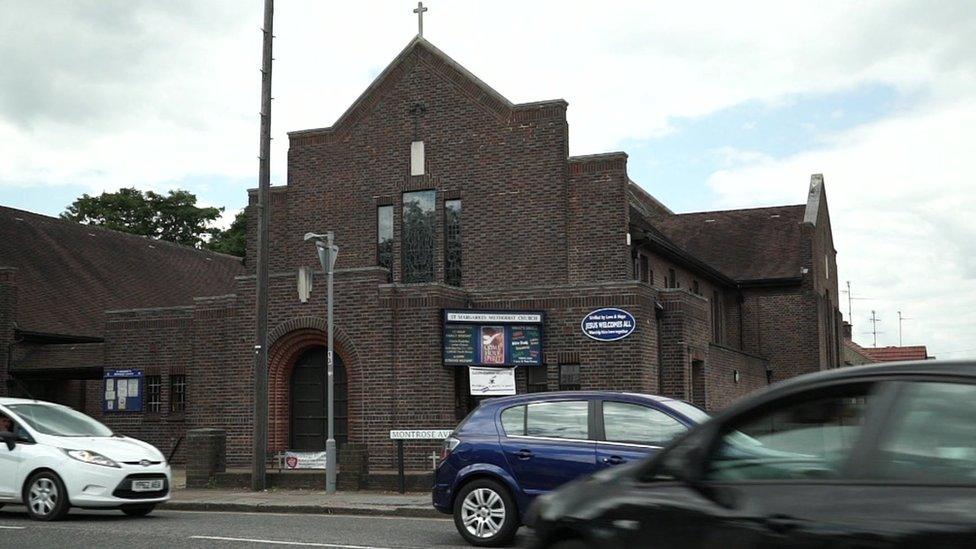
pixel 420 434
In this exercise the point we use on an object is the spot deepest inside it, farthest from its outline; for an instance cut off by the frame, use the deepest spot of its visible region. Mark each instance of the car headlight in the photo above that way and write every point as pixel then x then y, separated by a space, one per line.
pixel 93 458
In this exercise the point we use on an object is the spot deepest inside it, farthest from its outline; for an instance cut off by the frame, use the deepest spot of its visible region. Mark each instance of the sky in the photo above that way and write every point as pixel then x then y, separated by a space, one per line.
pixel 719 105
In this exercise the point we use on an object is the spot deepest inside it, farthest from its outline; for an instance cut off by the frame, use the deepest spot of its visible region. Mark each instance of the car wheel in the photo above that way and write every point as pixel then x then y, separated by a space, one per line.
pixel 46 497
pixel 485 514
pixel 138 511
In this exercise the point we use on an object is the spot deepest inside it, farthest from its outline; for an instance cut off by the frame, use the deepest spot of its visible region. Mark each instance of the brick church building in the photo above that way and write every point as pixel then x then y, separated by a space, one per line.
pixel 444 197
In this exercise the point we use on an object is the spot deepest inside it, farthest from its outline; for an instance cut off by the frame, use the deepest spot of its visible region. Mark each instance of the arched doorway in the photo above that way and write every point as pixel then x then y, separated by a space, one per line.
pixel 309 380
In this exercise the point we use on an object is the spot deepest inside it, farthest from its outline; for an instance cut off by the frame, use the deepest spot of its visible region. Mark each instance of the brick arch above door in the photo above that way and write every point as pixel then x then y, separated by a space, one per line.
pixel 287 342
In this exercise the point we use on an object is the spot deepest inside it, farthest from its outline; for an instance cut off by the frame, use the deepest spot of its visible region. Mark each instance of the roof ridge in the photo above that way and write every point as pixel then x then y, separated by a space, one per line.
pixel 705 212
pixel 115 232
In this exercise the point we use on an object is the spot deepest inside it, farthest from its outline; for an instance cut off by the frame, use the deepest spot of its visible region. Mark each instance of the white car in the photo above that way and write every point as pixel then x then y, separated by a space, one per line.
pixel 53 458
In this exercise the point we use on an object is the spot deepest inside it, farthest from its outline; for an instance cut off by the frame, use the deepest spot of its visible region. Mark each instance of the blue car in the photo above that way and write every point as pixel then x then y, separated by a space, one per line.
pixel 511 449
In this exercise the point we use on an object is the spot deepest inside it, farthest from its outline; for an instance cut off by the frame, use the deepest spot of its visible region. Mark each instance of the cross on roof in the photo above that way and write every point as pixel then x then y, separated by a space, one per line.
pixel 420 18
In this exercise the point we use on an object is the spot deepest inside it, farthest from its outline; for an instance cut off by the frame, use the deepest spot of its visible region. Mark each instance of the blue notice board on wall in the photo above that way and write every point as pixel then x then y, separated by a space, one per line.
pixel 492 338
pixel 123 391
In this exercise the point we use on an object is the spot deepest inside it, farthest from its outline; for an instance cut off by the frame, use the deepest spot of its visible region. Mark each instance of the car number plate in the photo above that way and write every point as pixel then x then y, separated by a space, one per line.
pixel 147 485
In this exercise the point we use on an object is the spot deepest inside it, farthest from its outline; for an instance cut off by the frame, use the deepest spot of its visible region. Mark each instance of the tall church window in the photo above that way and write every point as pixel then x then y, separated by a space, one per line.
pixel 452 242
pixel 418 236
pixel 384 237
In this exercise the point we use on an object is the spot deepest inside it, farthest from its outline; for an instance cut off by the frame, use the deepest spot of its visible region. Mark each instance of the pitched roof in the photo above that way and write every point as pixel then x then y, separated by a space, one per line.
pixel 750 244
pixel 896 354
pixel 857 349
pixel 68 274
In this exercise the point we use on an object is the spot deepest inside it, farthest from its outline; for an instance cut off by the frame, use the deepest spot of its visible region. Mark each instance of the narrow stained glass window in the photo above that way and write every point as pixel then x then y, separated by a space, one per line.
pixel 384 237
pixel 418 236
pixel 452 242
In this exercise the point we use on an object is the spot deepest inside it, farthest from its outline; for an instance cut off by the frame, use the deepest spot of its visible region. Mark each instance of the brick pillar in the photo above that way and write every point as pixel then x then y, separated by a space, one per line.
pixel 206 455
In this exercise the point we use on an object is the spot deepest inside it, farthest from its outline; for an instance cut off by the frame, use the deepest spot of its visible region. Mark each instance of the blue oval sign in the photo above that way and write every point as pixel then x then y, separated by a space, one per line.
pixel 608 324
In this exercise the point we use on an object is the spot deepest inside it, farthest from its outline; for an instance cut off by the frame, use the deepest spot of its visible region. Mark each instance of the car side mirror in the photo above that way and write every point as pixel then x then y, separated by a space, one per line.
pixel 9 438
pixel 681 461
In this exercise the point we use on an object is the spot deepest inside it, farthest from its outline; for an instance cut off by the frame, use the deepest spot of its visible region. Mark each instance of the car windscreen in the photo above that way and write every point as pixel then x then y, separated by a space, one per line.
pixel 59 421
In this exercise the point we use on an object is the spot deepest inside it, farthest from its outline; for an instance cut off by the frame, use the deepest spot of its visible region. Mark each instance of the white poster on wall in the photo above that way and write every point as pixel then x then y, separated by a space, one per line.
pixel 304 460
pixel 492 381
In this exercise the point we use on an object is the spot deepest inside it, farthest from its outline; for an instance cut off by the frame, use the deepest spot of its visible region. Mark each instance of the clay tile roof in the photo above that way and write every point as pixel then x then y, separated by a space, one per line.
pixel 895 354
pixel 68 274
pixel 751 244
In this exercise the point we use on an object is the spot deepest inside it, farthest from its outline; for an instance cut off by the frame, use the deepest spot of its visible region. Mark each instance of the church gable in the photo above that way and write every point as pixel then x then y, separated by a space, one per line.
pixel 449 72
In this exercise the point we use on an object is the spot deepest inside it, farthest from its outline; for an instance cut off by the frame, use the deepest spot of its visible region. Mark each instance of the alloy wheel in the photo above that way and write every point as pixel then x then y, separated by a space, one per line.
pixel 483 512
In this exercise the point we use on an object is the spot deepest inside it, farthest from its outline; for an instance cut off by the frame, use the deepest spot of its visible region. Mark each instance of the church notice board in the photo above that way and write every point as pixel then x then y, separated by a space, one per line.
pixel 123 391
pixel 492 338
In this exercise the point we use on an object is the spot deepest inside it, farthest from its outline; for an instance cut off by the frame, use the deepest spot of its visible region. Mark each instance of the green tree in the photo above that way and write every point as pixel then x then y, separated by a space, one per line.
pixel 233 240
pixel 174 217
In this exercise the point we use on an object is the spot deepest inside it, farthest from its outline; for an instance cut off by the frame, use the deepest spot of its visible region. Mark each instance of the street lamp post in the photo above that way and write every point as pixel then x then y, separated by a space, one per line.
pixel 327 252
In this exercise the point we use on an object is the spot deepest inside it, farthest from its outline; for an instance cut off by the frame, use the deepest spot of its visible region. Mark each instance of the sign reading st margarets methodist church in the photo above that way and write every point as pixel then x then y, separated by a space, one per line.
pixel 492 338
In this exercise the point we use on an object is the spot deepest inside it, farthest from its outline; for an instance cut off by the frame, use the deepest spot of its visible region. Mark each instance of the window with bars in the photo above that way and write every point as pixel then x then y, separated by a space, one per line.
pixel 418 236
pixel 452 242
pixel 154 394
pixel 536 379
pixel 177 393
pixel 569 377
pixel 384 237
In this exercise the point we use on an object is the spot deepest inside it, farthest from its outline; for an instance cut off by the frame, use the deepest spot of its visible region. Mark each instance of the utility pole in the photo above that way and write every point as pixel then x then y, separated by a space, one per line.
pixel 259 435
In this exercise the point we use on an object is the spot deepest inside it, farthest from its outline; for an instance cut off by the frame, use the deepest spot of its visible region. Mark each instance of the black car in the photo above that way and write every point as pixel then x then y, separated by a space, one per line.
pixel 872 456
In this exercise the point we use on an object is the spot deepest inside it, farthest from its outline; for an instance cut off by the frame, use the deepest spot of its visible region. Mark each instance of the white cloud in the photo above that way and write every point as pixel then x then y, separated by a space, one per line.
pixel 119 93
pixel 902 195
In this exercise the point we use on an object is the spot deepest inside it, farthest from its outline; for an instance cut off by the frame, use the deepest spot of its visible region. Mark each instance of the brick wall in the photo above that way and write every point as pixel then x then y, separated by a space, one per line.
pixel 721 387
pixel 494 158
pixel 685 333
pixel 781 324
pixel 158 342
pixel 8 308
pixel 598 218
pixel 220 385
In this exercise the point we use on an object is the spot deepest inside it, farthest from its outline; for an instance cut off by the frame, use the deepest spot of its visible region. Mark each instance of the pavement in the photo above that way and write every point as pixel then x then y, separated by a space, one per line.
pixel 381 504
pixel 168 528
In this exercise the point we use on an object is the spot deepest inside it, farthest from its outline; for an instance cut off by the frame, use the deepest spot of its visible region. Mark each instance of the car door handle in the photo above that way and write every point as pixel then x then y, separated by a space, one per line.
pixel 614 460
pixel 781 523
pixel 524 454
